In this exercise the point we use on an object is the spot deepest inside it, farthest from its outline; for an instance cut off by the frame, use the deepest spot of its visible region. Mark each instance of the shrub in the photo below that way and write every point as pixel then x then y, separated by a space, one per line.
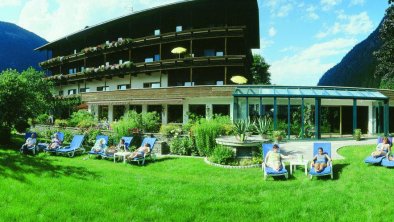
pixel 80 116
pixel 170 130
pixel 42 118
pixel 357 134
pixel 182 146
pixel 222 155
pixel 87 123
pixel 147 122
pixel 205 132
pixel 150 122
pixel 61 123
pixel 68 136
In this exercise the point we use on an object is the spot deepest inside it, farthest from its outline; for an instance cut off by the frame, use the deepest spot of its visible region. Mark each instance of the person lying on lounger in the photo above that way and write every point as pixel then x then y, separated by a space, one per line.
pixel 118 148
pixel 30 142
pixel 273 159
pixel 140 152
pixel 99 146
pixel 382 148
pixel 55 142
pixel 321 160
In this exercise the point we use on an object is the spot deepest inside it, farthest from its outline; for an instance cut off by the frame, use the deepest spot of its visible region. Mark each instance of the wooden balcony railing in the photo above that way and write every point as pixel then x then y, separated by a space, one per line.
pixel 192 62
pixel 195 34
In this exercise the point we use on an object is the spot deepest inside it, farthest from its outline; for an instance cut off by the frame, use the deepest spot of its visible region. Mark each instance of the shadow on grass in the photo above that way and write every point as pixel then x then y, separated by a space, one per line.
pixel 338 168
pixel 16 166
pixel 149 161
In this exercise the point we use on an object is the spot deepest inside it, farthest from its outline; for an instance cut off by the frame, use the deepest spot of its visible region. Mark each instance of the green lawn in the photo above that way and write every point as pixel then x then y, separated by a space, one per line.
pixel 53 188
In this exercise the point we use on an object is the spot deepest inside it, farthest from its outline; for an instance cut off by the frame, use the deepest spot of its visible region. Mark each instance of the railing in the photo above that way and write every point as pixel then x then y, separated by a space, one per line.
pixel 229 31
pixel 230 60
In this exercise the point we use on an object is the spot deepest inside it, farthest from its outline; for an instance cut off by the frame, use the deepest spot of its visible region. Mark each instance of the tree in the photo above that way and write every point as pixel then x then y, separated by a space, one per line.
pixel 22 96
pixel 385 55
pixel 259 71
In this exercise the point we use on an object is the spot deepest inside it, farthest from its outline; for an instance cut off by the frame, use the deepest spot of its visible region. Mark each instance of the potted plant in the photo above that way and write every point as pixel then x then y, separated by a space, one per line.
pixel 277 135
pixel 357 134
pixel 263 126
pixel 241 127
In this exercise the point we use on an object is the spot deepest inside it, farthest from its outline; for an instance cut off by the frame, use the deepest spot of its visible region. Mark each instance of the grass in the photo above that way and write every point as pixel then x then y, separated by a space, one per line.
pixel 48 188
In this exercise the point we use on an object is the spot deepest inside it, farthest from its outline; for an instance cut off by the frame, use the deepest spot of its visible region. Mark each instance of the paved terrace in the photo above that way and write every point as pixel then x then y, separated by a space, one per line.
pixel 305 148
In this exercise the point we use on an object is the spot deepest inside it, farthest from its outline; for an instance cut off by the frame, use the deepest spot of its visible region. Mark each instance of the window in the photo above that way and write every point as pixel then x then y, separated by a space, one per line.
pixel 61 93
pixel 157 32
pixel 137 108
pixel 124 87
pixel 102 88
pixel 175 113
pixel 197 110
pixel 178 28
pixel 152 85
pixel 72 91
pixel 84 90
pixel 223 110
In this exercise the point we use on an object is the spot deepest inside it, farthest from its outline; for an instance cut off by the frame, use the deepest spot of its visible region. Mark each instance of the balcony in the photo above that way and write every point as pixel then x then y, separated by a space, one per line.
pixel 127 44
pixel 145 67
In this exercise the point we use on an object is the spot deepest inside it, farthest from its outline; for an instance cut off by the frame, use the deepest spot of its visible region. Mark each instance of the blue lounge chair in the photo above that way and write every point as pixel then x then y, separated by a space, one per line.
pixel 141 160
pixel 127 142
pixel 377 160
pixel 268 171
pixel 98 137
pixel 44 146
pixel 75 147
pixel 32 149
pixel 327 170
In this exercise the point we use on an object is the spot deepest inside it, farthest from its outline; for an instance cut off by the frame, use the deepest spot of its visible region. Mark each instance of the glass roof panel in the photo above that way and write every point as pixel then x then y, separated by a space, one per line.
pixel 311 92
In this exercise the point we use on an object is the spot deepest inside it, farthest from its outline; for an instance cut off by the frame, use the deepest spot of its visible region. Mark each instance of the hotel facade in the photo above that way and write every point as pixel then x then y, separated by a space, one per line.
pixel 178 60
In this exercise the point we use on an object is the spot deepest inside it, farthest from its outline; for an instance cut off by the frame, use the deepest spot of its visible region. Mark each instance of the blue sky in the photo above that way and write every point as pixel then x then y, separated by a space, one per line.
pixel 300 39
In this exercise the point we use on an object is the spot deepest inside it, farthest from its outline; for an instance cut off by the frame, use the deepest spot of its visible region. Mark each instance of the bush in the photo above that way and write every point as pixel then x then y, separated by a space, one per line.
pixel 147 122
pixel 205 133
pixel 357 134
pixel 182 146
pixel 87 123
pixel 170 130
pixel 61 123
pixel 81 116
pixel 42 118
pixel 222 155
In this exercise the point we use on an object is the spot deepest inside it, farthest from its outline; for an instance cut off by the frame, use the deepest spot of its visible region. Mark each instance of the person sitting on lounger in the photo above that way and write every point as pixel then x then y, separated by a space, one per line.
pixel 382 148
pixel 140 152
pixel 30 142
pixel 273 158
pixel 55 142
pixel 319 161
pixel 118 148
pixel 99 146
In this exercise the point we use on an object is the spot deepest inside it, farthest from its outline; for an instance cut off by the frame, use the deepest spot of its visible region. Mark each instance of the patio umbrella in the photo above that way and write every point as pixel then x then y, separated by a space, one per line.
pixel 239 79
pixel 178 50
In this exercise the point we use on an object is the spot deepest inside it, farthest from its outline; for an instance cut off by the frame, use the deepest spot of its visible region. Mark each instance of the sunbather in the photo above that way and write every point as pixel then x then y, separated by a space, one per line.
pixel 321 160
pixel 273 158
pixel 99 146
pixel 30 142
pixel 55 142
pixel 113 149
pixel 382 148
pixel 140 152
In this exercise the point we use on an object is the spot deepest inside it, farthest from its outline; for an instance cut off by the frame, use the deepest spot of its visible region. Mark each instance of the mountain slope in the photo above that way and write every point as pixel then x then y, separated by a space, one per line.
pixel 17 47
pixel 358 66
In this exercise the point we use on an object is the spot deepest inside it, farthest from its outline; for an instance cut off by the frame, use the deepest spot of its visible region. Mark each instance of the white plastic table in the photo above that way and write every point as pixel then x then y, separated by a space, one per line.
pixel 294 163
pixel 121 154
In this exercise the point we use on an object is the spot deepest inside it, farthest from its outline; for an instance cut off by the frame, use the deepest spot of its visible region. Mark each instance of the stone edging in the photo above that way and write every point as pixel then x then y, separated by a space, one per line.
pixel 230 167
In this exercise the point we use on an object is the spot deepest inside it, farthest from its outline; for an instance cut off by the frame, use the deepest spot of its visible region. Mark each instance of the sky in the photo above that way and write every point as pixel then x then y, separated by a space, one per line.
pixel 299 39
